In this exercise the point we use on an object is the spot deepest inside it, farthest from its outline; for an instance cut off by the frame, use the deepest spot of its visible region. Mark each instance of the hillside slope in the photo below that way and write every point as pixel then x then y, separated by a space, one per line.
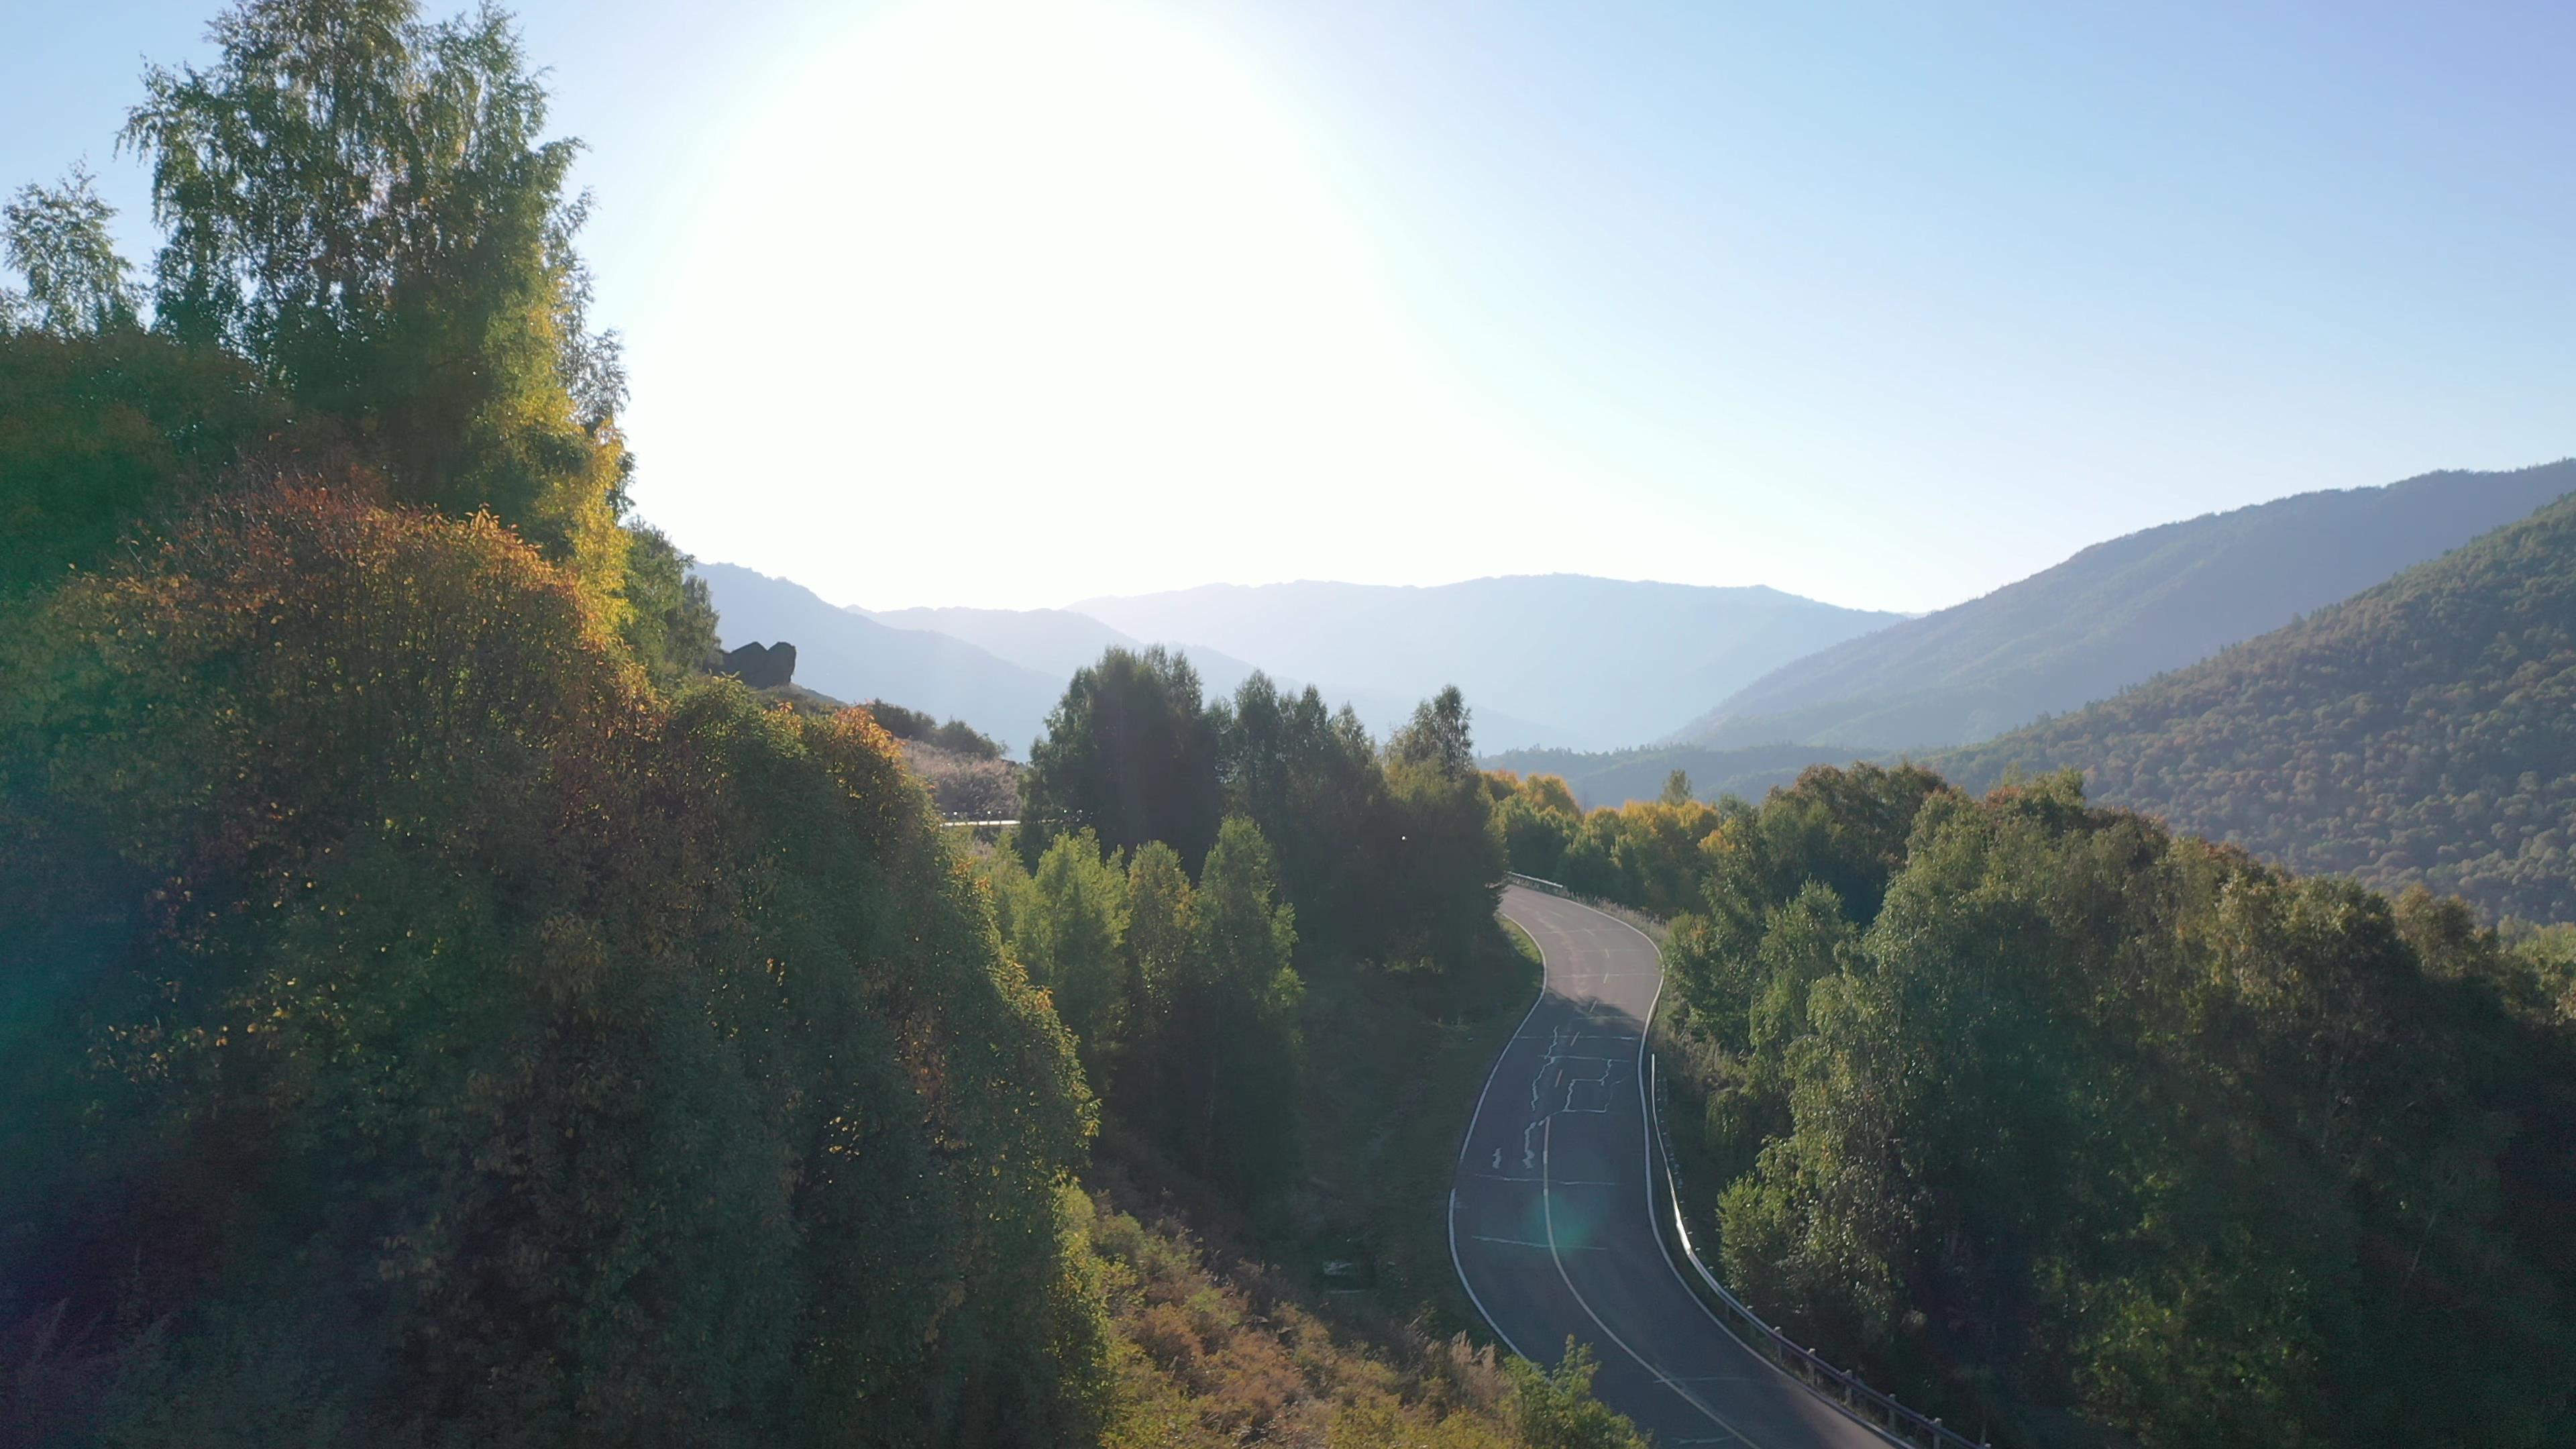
pixel 2424 731
pixel 1605 662
pixel 2118 613
pixel 849 656
pixel 1613 778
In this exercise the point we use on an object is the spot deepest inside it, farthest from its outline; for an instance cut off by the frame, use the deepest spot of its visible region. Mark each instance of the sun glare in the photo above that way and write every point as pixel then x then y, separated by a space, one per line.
pixel 1070 261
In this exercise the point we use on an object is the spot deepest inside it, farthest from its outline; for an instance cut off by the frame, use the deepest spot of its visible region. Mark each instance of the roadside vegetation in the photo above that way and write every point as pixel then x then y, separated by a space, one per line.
pixel 2060 1122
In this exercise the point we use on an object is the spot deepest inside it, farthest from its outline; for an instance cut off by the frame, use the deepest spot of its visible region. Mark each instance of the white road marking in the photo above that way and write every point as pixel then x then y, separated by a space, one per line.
pixel 1547 1212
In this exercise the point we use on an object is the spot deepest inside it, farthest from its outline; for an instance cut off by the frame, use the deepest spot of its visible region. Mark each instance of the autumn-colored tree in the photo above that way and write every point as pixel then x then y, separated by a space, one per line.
pixel 422 1032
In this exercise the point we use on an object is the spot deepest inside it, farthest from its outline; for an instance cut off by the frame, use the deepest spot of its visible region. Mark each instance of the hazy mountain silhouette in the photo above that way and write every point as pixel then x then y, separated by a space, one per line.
pixel 1556 659
pixel 850 656
pixel 1057 642
pixel 2117 613
pixel 2423 731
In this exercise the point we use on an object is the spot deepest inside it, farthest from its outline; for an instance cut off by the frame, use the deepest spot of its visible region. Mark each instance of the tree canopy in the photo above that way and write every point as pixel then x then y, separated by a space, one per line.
pixel 2025 1102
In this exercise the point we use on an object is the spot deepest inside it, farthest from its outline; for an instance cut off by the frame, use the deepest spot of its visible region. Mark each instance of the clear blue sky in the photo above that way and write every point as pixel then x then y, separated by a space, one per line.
pixel 1886 305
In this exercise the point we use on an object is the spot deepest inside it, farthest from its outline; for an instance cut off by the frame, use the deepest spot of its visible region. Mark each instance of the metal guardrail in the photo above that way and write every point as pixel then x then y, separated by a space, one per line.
pixel 1839 1387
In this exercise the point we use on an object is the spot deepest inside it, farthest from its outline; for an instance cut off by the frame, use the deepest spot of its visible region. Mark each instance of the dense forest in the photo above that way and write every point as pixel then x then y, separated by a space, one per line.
pixel 2421 732
pixel 2115 615
pixel 2050 1117
pixel 440 1012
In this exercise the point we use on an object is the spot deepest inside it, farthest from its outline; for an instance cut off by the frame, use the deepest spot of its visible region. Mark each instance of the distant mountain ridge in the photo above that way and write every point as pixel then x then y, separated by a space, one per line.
pixel 1600 663
pixel 1056 642
pixel 2116 614
pixel 999 670
pixel 849 656
pixel 2423 731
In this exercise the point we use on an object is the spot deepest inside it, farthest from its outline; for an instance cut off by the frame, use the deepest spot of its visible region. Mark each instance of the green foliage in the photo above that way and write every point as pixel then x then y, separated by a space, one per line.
pixel 1555 1408
pixel 1072 938
pixel 2034 1095
pixel 956 736
pixel 361 204
pixel 1131 753
pixel 1445 859
pixel 2423 732
pixel 1645 854
pixel 100 433
pixel 417 1031
pixel 77 286
pixel 1229 1038
pixel 1309 780
pixel 670 621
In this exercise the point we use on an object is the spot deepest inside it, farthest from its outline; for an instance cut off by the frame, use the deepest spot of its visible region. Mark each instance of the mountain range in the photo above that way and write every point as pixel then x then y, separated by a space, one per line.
pixel 1551 661
pixel 2422 732
pixel 2116 614
pixel 1598 662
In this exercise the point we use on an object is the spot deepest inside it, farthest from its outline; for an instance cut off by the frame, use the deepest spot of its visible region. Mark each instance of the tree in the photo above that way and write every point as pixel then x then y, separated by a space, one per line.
pixel 1442 856
pixel 1308 778
pixel 671 622
pixel 1232 1026
pixel 99 435
pixel 420 1032
pixel 1554 1408
pixel 1072 938
pixel 1162 942
pixel 1436 738
pixel 361 204
pixel 57 239
pixel 1131 752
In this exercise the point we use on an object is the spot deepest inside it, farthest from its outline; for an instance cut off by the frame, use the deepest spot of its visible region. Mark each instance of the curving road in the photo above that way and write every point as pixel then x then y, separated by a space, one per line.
pixel 1550 1212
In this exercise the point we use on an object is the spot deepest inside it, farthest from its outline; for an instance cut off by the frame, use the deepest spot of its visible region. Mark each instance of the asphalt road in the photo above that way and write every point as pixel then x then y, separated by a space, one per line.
pixel 1549 1212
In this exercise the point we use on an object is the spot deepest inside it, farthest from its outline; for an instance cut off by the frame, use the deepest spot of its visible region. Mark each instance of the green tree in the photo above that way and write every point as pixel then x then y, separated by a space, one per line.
pixel 671 619
pixel 56 237
pixel 1554 1408
pixel 1072 937
pixel 1308 778
pixel 1231 1030
pixel 362 203
pixel 1131 752
pixel 100 435
pixel 1441 857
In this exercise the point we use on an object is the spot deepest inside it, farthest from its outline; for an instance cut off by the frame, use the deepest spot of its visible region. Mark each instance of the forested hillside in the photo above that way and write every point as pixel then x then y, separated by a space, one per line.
pixel 2116 614
pixel 1612 778
pixel 2030 1108
pixel 2423 732
pixel 437 1013
pixel 1556 661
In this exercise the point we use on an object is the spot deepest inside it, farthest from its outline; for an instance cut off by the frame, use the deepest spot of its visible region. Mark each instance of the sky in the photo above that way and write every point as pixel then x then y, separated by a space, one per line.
pixel 1009 303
